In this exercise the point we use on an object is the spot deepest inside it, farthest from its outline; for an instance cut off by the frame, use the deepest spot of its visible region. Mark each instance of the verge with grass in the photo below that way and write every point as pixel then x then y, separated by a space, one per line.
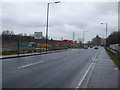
pixel 114 56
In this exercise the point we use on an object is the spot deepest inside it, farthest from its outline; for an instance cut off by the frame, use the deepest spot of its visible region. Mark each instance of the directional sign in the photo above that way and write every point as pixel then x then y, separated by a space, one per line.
pixel 38 35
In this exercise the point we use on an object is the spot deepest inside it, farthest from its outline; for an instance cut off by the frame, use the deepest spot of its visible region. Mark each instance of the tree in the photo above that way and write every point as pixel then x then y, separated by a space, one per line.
pixel 114 38
pixel 96 40
pixel 7 32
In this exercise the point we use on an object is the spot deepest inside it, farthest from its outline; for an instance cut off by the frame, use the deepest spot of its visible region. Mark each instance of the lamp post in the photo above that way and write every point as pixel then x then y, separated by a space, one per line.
pixel 47 22
pixel 18 45
pixel 84 37
pixel 106 30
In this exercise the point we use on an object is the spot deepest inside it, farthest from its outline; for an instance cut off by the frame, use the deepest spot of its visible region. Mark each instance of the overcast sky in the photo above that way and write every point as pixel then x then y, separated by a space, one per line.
pixel 64 18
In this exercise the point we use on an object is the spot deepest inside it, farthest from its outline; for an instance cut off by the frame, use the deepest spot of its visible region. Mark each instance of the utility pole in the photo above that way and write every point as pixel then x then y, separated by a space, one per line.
pixel 61 38
pixel 84 37
pixel 73 36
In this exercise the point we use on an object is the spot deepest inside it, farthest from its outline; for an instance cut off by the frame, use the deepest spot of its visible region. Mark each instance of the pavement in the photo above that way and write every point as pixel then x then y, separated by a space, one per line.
pixel 76 68
pixel 104 73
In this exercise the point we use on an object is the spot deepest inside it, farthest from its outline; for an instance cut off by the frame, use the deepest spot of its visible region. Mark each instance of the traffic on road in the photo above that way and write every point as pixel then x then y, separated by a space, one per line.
pixel 67 69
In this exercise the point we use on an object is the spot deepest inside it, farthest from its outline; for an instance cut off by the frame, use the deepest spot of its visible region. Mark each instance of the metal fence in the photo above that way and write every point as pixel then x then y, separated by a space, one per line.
pixel 115 47
pixel 36 46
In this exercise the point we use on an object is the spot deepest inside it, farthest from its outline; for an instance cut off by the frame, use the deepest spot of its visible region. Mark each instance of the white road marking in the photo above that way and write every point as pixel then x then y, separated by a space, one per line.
pixel 81 81
pixel 89 76
pixel 93 63
pixel 116 68
pixel 30 64
pixel 54 58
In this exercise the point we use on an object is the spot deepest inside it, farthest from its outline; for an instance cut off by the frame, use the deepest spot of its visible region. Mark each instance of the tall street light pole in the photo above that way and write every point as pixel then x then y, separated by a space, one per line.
pixel 84 37
pixel 47 23
pixel 106 30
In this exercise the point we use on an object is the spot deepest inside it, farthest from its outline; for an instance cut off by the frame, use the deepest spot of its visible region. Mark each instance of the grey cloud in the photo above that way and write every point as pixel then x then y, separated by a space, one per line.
pixel 78 24
pixel 64 18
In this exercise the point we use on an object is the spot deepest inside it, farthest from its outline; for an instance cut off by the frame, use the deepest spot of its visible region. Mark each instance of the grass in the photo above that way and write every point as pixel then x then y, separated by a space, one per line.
pixel 14 52
pixel 24 51
pixel 9 52
pixel 115 57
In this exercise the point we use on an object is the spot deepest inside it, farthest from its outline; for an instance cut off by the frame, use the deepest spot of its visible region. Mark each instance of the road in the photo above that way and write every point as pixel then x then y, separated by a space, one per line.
pixel 54 70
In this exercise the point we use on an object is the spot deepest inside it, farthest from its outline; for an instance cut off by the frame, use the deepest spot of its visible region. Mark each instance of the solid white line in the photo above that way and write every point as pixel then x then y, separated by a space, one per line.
pixel 116 68
pixel 89 76
pixel 81 81
pixel 30 64
pixel 79 84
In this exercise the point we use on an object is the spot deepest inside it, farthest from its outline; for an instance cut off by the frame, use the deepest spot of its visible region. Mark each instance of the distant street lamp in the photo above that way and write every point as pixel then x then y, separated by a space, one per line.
pixel 84 37
pixel 47 21
pixel 18 45
pixel 106 30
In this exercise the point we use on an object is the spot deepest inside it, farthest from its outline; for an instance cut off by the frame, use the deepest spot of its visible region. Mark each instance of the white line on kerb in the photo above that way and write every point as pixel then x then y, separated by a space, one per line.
pixel 116 68
pixel 30 64
pixel 81 81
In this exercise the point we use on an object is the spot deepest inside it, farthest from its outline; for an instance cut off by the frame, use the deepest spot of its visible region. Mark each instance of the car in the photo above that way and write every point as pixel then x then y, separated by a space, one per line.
pixel 31 44
pixel 85 47
pixel 96 47
pixel 91 47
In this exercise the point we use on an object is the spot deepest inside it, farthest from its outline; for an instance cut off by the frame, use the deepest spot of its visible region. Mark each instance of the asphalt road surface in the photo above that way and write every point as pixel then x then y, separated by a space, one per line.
pixel 54 70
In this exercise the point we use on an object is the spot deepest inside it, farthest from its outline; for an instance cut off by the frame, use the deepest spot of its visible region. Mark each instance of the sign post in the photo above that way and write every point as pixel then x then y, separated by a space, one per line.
pixel 38 36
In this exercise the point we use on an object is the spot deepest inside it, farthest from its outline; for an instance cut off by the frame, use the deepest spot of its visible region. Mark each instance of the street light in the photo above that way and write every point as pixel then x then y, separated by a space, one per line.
pixel 47 22
pixel 106 28
pixel 57 2
pixel 106 31
pixel 84 37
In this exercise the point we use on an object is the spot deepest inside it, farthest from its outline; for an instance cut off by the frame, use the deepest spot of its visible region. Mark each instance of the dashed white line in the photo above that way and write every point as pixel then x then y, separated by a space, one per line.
pixel 54 58
pixel 30 64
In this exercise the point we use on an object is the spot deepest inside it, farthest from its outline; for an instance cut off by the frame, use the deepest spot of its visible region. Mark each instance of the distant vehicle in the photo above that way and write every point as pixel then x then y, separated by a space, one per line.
pixel 91 47
pixel 31 44
pixel 96 47
pixel 85 47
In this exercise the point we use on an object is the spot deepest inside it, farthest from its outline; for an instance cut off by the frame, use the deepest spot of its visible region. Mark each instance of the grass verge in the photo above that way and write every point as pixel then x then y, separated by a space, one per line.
pixel 26 51
pixel 114 56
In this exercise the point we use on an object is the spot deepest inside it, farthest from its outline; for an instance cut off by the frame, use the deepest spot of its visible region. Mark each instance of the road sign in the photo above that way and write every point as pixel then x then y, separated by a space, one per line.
pixel 38 35
pixel 42 44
